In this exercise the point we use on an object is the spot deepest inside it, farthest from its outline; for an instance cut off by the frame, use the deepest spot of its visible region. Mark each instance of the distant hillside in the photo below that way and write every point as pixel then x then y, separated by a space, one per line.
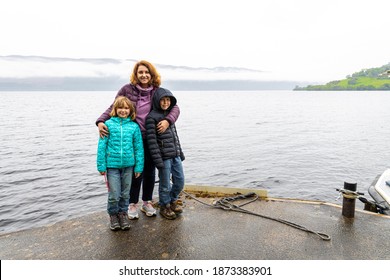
pixel 114 84
pixel 367 79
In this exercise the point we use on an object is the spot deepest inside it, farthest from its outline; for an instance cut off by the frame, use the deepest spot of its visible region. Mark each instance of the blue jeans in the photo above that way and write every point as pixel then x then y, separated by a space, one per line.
pixel 170 192
pixel 119 182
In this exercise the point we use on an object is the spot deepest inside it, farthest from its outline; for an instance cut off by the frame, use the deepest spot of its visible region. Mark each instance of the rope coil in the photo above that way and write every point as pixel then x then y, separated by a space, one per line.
pixel 226 204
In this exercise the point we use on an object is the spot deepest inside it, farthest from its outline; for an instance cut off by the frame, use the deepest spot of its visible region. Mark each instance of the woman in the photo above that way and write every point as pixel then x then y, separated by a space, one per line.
pixel 144 81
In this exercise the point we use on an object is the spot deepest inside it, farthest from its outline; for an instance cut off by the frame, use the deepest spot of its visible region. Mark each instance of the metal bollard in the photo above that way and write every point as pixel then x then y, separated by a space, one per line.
pixel 349 200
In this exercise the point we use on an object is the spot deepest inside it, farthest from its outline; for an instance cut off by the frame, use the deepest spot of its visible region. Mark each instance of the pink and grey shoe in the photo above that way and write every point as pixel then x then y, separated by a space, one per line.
pixel 133 211
pixel 148 209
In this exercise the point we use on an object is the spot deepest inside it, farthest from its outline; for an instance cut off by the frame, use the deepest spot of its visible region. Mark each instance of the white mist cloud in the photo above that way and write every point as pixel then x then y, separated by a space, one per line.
pixel 27 67
pixel 30 66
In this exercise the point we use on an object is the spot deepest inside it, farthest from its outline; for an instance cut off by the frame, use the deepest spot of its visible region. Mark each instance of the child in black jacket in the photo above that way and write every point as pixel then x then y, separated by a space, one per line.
pixel 166 153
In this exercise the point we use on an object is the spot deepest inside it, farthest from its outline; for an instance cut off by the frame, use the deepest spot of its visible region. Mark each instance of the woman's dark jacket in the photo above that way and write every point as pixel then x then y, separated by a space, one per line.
pixel 166 145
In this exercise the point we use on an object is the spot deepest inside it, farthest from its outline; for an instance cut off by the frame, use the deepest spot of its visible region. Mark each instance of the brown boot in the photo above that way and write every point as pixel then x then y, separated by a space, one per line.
pixel 176 207
pixel 167 212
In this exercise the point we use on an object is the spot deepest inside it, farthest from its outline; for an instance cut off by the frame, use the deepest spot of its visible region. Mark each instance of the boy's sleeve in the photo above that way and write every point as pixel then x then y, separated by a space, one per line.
pixel 101 160
pixel 138 150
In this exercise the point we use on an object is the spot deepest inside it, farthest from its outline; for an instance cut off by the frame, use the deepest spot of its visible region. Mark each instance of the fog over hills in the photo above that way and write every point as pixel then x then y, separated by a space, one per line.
pixel 55 73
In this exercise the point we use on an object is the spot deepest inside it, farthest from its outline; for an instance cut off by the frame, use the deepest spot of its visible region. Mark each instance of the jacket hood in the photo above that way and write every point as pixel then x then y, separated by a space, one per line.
pixel 160 93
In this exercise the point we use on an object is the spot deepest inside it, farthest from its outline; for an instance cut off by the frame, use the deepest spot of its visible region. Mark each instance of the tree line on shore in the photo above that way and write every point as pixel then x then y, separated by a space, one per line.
pixel 366 79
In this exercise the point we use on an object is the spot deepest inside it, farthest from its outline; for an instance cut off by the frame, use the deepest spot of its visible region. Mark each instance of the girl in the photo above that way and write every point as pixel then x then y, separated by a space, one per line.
pixel 119 155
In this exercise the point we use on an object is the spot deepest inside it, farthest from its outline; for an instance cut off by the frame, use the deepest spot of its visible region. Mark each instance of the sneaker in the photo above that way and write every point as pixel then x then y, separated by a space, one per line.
pixel 175 207
pixel 124 221
pixel 167 212
pixel 133 211
pixel 148 209
pixel 114 222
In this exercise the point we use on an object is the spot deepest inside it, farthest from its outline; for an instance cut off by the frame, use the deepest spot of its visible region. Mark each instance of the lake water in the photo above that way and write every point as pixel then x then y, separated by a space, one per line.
pixel 293 144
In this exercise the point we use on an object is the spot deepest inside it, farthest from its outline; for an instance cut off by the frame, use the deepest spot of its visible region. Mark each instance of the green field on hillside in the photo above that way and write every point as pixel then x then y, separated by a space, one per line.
pixel 367 79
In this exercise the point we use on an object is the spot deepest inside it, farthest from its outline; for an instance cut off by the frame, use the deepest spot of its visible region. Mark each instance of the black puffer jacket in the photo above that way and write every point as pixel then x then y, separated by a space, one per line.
pixel 166 145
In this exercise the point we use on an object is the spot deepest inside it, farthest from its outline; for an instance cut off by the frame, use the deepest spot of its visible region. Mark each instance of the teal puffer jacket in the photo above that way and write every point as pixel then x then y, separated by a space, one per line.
pixel 123 147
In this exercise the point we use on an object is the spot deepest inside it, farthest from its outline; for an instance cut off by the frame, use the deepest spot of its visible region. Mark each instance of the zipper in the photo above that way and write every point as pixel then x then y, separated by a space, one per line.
pixel 121 144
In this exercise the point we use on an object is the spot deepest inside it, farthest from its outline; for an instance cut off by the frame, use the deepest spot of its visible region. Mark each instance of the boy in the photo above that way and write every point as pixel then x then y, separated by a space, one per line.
pixel 166 153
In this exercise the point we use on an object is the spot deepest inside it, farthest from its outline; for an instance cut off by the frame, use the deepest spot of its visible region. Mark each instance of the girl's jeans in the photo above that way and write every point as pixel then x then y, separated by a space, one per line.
pixel 119 182
pixel 169 193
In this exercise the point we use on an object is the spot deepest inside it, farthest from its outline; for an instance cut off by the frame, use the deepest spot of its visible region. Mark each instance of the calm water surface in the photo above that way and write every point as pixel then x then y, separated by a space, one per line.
pixel 293 144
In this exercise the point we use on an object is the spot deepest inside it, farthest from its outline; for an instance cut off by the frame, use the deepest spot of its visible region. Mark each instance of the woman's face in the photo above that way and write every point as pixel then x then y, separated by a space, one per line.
pixel 143 76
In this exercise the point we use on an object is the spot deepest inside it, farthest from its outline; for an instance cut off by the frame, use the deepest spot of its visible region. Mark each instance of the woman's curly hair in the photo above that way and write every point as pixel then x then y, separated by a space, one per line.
pixel 155 76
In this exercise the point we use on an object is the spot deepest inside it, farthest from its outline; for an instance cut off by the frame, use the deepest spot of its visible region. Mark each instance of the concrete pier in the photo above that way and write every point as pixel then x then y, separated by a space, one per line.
pixel 203 232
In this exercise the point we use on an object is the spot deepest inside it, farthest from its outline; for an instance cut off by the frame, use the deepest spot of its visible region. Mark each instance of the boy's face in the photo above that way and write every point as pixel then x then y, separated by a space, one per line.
pixel 165 102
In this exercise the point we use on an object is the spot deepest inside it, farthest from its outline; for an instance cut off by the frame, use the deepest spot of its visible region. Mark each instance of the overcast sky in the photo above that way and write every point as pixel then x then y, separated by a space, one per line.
pixel 291 39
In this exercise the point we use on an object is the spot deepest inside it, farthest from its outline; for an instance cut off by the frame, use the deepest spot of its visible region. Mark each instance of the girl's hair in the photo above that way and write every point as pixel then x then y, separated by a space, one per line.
pixel 120 102
pixel 155 76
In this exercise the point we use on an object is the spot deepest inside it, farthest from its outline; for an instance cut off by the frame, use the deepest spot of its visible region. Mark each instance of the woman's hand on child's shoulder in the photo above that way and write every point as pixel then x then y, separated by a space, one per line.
pixel 103 130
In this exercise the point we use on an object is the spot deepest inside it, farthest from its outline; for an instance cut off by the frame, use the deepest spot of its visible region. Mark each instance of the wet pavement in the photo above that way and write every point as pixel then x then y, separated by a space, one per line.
pixel 203 232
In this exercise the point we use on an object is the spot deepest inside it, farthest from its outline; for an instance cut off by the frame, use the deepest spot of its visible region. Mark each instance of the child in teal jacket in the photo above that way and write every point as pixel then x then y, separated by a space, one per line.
pixel 119 155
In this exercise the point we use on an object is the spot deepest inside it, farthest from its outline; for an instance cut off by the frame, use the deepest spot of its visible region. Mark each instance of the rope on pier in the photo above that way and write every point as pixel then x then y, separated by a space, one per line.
pixel 225 203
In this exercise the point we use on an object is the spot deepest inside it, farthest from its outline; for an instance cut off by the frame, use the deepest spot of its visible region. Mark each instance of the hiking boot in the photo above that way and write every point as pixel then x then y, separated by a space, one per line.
pixel 114 222
pixel 148 209
pixel 124 221
pixel 133 211
pixel 175 207
pixel 167 212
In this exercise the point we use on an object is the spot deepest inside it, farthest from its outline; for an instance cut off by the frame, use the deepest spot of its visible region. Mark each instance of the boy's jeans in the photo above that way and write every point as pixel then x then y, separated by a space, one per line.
pixel 119 182
pixel 169 193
